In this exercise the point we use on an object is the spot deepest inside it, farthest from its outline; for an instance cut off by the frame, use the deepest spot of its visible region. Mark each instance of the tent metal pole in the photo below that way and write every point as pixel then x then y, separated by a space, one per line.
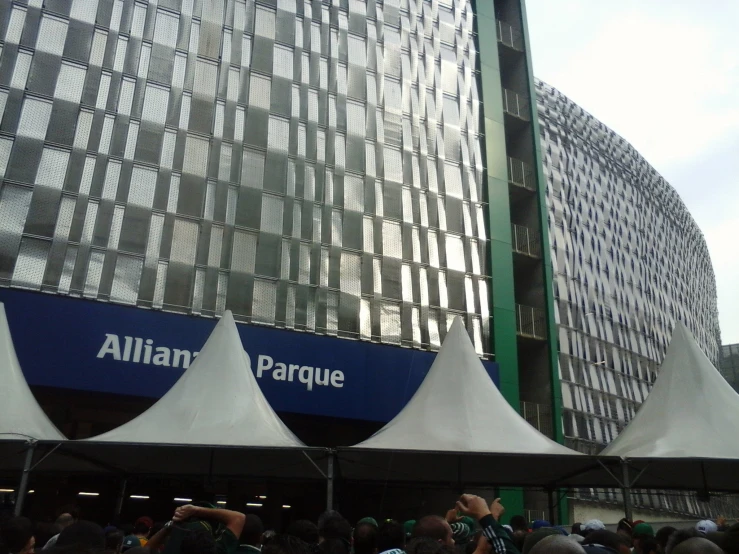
pixel 626 491
pixel 119 500
pixel 23 487
pixel 330 483
pixel 552 507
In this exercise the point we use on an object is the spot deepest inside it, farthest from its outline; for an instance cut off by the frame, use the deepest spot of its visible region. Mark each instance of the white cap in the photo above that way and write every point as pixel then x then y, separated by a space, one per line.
pixel 706 526
pixel 593 525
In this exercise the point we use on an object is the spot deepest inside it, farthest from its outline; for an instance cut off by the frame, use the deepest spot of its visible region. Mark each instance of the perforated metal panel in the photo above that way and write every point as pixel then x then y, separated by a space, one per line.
pixel 329 154
pixel 629 261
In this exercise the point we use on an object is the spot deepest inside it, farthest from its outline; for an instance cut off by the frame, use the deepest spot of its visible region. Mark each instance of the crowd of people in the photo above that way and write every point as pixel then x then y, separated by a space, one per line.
pixel 472 526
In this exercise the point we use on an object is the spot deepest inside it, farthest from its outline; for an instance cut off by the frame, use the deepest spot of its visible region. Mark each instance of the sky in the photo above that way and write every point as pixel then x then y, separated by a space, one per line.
pixel 663 74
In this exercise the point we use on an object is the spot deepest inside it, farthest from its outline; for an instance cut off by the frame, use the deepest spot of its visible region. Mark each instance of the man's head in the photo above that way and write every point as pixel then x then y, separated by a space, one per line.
pixel 609 539
pixel 678 537
pixel 64 520
pixel 71 510
pixel 532 539
pixel 434 527
pixel 253 530
pixel 305 530
pixel 326 516
pixel 113 541
pixel 17 535
pixel 83 536
pixel 592 525
pixel 641 533
pixel 662 536
pixel 426 545
pixel 706 526
pixel 331 525
pixel 697 545
pixel 142 526
pixel 557 544
pixel 390 535
pixel 365 538
pixel 460 533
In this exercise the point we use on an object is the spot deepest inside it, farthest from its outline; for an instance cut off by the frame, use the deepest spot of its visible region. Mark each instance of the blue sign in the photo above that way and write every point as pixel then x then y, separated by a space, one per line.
pixel 97 346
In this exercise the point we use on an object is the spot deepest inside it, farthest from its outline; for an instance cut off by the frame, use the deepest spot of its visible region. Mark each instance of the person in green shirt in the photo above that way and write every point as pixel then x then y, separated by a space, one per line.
pixel 196 531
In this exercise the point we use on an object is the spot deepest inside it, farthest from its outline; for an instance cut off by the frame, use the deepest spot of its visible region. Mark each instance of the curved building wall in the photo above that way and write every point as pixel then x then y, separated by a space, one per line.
pixel 305 165
pixel 628 260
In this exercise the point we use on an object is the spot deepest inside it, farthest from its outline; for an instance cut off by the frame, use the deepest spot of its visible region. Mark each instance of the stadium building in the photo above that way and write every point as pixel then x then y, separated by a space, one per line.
pixel 344 177
pixel 628 262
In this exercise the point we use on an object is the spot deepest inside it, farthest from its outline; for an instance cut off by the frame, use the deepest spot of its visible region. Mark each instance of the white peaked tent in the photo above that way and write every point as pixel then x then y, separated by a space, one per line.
pixel 684 434
pixel 21 418
pixel 458 428
pixel 214 420
pixel 24 427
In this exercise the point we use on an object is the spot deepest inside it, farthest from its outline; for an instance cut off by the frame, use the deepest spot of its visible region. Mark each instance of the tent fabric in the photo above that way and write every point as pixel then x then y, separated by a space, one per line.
pixel 217 401
pixel 688 412
pixel 21 417
pixel 214 421
pixel 681 436
pixel 458 408
pixel 458 427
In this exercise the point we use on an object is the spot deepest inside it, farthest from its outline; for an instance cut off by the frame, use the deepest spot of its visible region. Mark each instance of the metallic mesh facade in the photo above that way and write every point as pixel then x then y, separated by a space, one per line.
pixel 305 164
pixel 628 262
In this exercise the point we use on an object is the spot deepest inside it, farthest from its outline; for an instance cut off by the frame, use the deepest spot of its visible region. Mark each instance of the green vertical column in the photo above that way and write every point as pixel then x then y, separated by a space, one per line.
pixel 499 216
pixel 499 209
pixel 546 257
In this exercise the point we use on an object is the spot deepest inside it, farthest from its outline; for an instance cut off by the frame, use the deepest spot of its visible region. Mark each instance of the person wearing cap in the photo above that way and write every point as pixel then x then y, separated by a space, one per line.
pixel 592 525
pixel 130 541
pixel 141 529
pixel 408 528
pixel 391 538
pixel 460 533
pixel 365 536
pixel 640 534
pixel 706 526
pixel 606 542
pixel 197 530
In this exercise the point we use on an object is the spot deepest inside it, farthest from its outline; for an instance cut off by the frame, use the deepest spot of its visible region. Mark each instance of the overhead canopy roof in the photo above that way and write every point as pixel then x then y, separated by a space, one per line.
pixel 214 419
pixel 459 428
pixel 683 435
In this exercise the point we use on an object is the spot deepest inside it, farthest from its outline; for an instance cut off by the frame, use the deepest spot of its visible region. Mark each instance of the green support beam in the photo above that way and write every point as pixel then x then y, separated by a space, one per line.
pixel 503 304
pixel 546 256
pixel 499 210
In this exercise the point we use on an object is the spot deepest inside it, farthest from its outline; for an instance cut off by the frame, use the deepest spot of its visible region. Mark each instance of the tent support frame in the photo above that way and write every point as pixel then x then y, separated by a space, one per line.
pixel 315 465
pixel 120 498
pixel 628 507
pixel 23 487
pixel 551 505
pixel 330 483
